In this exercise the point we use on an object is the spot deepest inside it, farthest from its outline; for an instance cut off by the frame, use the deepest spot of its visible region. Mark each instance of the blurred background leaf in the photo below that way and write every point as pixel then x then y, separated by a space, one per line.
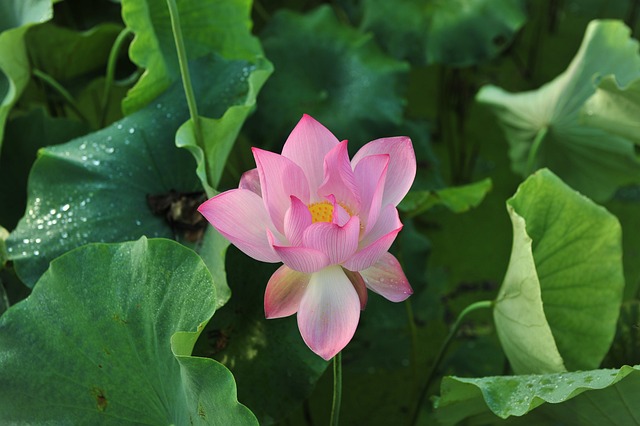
pixel 543 126
pixel 16 16
pixel 615 109
pixel 456 33
pixel 330 71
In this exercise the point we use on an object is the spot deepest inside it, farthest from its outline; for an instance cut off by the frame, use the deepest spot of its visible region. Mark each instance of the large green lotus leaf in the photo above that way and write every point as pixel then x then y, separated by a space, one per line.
pixel 596 397
pixel 24 135
pixel 106 338
pixel 615 109
pixel 575 254
pixel 207 26
pixel 16 16
pixel 457 33
pixel 330 71
pixel 458 199
pixel 263 355
pixel 65 54
pixel 543 126
pixel 219 134
pixel 95 188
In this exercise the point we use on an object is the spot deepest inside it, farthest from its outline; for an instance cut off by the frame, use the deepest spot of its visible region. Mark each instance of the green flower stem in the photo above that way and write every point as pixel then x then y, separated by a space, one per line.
pixel 337 389
pixel 261 11
pixel 62 92
pixel 111 69
pixel 443 349
pixel 184 71
pixel 535 147
pixel 414 341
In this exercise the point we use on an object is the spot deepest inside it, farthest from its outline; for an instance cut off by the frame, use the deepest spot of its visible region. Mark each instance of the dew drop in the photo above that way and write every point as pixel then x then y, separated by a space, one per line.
pixel 96 162
pixel 65 207
pixel 26 241
pixel 38 240
pixel 36 253
pixel 132 130
pixel 109 150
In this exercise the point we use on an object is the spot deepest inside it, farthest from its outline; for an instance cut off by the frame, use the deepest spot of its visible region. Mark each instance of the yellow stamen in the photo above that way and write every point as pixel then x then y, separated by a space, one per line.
pixel 321 212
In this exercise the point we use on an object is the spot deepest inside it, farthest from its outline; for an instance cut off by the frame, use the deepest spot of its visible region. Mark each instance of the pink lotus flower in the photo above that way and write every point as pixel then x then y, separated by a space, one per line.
pixel 331 222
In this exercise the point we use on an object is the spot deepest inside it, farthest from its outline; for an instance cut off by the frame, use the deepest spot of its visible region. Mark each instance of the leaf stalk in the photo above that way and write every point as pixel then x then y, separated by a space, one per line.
pixel 443 349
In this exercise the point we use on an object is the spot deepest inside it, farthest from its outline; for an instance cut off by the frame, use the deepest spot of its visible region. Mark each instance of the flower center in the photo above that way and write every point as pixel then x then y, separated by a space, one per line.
pixel 321 212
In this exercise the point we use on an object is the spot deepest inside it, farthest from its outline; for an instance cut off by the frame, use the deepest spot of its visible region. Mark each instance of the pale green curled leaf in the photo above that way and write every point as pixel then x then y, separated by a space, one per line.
pixel 458 199
pixel 453 32
pixel 219 134
pixel 615 109
pixel 577 259
pixel 589 398
pixel 519 314
pixel 208 26
pixel 95 188
pixel 543 126
pixel 114 325
pixel 330 71
pixel 16 16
